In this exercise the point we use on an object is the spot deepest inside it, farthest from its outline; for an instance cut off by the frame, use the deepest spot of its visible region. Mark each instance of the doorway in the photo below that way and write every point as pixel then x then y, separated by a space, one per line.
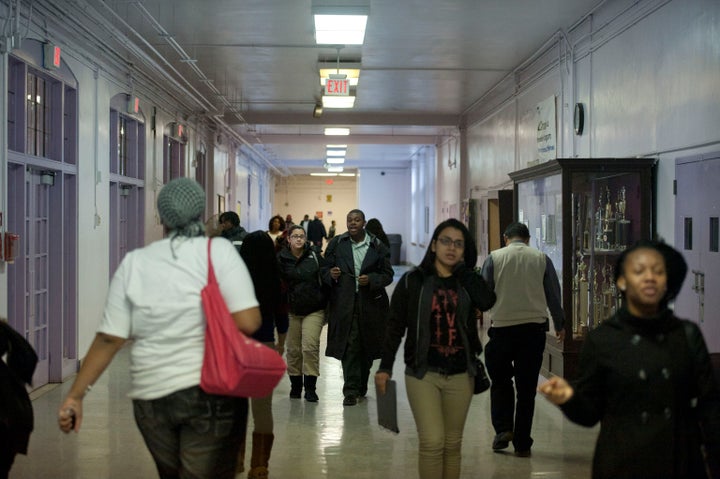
pixel 42 281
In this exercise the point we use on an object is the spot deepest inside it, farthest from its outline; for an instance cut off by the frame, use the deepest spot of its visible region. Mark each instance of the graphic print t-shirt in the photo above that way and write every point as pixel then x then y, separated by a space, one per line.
pixel 446 348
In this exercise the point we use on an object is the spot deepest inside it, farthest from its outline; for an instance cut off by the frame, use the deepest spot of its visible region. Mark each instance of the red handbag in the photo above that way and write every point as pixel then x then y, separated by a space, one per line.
pixel 234 364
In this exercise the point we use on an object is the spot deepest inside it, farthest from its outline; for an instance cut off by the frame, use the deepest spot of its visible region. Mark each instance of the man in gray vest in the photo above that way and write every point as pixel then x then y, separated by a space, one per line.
pixel 526 285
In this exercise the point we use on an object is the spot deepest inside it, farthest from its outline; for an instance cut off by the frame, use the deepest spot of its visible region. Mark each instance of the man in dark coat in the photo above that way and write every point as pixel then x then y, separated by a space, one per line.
pixel 316 232
pixel 357 269
pixel 231 229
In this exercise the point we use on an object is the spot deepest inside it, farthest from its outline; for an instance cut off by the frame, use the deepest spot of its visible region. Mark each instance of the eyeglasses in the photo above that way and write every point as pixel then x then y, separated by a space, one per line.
pixel 445 241
pixel 297 237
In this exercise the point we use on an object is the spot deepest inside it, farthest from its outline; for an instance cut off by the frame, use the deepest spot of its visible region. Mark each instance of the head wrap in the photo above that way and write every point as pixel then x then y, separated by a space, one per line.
pixel 180 204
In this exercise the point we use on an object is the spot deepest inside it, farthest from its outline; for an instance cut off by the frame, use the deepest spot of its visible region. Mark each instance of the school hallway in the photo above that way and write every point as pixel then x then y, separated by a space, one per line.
pixel 312 440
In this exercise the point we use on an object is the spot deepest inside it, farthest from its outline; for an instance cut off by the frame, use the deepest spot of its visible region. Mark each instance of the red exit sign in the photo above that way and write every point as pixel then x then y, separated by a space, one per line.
pixel 51 56
pixel 337 87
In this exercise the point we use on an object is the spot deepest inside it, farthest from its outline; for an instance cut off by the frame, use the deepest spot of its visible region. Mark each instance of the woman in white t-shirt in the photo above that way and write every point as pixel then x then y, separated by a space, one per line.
pixel 154 300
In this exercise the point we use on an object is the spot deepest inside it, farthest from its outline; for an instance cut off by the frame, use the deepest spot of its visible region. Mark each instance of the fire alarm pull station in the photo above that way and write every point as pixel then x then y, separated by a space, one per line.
pixel 10 247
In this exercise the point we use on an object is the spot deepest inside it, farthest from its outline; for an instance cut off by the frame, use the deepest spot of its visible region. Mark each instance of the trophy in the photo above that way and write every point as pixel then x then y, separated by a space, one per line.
pixel 576 303
pixel 597 301
pixel 608 233
pixel 583 293
pixel 599 228
pixel 608 293
pixel 622 228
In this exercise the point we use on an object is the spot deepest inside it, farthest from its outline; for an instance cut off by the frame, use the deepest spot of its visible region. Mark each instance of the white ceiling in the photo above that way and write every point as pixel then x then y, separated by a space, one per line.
pixel 424 63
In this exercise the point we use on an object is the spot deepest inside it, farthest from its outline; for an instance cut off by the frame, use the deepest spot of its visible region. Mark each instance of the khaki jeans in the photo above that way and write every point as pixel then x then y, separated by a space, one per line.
pixel 303 344
pixel 440 407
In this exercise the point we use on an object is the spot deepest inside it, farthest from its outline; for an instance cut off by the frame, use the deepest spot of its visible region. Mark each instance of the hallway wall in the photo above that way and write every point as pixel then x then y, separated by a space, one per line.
pixel 305 195
pixel 647 73
pixel 384 193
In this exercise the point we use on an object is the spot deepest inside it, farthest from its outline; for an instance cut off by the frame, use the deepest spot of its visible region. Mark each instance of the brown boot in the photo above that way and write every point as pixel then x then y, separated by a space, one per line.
pixel 262 445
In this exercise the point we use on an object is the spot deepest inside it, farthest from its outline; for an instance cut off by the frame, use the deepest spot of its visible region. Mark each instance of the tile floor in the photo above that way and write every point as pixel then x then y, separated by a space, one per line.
pixel 320 440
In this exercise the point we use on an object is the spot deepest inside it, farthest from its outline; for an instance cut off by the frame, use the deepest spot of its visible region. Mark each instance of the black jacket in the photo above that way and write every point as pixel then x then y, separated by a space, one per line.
pixel 374 302
pixel 306 292
pixel 316 231
pixel 16 412
pixel 638 377
pixel 235 234
pixel 410 312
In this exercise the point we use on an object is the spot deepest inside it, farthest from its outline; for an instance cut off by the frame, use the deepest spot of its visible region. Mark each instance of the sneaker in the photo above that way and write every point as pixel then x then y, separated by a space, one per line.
pixel 350 401
pixel 502 440
pixel 523 453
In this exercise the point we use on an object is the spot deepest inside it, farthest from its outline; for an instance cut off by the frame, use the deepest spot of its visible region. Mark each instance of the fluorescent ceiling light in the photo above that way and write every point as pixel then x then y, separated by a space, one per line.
pixel 336 146
pixel 335 152
pixel 335 169
pixel 334 161
pixel 338 101
pixel 323 174
pixel 352 74
pixel 337 131
pixel 340 25
pixel 346 174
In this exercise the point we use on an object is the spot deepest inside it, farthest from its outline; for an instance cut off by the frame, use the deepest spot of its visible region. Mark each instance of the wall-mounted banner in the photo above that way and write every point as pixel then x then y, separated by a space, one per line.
pixel 545 121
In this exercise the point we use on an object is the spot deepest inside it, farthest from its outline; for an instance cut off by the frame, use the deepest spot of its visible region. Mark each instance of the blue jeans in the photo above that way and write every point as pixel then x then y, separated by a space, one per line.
pixel 191 434
pixel 514 352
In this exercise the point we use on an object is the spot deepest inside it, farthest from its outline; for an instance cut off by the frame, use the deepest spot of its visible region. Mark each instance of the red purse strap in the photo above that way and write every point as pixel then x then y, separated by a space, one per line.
pixel 211 271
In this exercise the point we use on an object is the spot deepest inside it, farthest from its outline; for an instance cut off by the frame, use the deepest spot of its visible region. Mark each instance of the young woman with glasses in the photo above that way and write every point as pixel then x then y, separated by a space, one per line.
pixel 300 265
pixel 434 305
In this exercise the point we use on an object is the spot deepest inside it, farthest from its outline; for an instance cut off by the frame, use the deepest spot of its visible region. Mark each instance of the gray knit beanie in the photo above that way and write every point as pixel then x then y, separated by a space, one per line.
pixel 180 203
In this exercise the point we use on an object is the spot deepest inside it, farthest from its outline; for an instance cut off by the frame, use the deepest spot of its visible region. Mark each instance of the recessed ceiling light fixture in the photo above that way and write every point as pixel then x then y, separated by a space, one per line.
pixel 340 25
pixel 337 131
pixel 323 174
pixel 335 169
pixel 334 161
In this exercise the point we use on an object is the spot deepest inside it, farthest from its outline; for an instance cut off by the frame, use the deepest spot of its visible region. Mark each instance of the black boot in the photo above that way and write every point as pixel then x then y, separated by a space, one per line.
pixel 310 382
pixel 296 385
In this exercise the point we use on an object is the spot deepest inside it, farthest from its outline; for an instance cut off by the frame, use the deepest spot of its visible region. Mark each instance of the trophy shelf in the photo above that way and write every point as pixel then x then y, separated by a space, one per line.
pixel 583 213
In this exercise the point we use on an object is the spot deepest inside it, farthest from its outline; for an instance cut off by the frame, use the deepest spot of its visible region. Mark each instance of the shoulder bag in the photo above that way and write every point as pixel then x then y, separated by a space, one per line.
pixel 234 364
pixel 482 381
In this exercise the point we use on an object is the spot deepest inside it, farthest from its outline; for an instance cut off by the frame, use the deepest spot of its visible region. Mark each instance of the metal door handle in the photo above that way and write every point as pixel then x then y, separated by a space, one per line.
pixel 699 288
